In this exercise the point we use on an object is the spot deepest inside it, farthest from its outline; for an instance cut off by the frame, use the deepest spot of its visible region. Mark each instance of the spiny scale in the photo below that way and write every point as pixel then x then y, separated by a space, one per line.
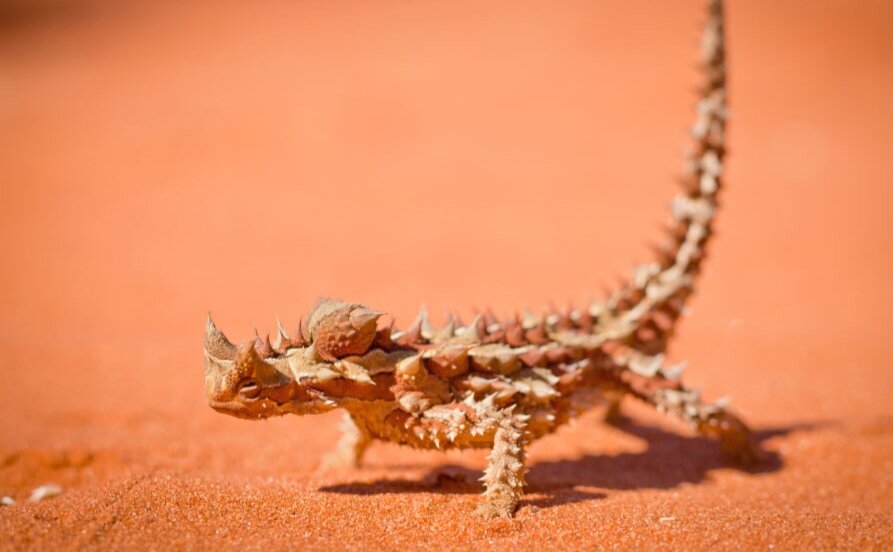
pixel 499 383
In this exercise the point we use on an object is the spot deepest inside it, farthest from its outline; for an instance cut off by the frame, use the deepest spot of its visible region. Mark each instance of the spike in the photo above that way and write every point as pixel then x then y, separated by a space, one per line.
pixel 280 339
pixel 481 326
pixel 304 329
pixel 529 320
pixel 442 334
pixel 425 324
pixel 216 344
pixel 491 322
pixel 454 319
pixel 472 332
pixel 419 331
pixel 596 308
pixel 282 333
pixel 263 345
pixel 674 372
pixel 723 402
pixel 412 336
pixel 298 339
pixel 361 318
pixel 422 326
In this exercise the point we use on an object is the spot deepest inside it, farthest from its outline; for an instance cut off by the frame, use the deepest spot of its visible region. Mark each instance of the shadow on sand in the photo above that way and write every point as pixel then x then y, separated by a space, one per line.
pixel 669 461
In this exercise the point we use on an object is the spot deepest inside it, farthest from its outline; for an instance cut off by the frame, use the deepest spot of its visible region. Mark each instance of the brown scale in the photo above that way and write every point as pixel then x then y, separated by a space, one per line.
pixel 493 386
pixel 625 303
pixel 656 327
pixel 496 337
pixel 649 338
pixel 494 365
pixel 428 389
pixel 537 335
pixel 380 389
pixel 564 321
pixel 514 333
pixel 585 323
pixel 450 363
pixel 568 381
pixel 347 330
pixel 398 418
pixel 534 358
pixel 560 355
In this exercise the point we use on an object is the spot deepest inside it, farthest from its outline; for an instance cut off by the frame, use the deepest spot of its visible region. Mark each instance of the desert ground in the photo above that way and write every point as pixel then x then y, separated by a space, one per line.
pixel 162 160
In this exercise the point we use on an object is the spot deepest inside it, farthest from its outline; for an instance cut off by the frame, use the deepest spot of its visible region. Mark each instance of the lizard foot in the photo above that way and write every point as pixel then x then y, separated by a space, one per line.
pixel 501 507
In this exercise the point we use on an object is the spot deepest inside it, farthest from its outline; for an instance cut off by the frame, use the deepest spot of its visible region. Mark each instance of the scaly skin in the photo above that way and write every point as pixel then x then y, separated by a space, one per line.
pixel 496 384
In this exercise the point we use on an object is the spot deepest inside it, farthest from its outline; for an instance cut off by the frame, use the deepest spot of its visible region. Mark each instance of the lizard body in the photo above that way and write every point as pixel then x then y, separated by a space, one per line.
pixel 497 384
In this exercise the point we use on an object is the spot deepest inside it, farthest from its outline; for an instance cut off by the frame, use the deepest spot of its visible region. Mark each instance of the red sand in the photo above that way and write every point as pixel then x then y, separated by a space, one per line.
pixel 161 161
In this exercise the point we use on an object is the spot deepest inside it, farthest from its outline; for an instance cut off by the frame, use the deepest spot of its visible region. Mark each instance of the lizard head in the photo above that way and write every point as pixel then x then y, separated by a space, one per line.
pixel 303 375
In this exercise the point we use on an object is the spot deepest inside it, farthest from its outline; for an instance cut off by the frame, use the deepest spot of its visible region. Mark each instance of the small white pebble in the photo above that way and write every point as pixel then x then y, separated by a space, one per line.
pixel 44 492
pixel 7 501
pixel 667 518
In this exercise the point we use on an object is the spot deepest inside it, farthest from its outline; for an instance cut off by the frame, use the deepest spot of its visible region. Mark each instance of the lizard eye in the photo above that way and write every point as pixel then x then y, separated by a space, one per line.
pixel 249 389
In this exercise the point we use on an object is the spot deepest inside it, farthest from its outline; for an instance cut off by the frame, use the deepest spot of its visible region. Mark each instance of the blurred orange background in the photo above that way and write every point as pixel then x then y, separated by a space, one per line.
pixel 160 160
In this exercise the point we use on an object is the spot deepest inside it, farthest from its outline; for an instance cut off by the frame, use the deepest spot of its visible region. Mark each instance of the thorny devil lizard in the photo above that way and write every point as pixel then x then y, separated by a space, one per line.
pixel 499 384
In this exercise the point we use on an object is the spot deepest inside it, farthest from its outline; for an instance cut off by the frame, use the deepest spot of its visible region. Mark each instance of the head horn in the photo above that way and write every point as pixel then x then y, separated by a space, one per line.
pixel 216 344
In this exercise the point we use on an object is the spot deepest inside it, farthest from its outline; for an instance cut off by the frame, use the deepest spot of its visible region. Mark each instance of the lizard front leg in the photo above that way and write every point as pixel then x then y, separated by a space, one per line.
pixel 348 452
pixel 504 476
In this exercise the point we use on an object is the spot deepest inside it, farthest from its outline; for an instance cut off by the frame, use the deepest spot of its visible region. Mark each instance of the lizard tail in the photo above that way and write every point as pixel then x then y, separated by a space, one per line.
pixel 647 307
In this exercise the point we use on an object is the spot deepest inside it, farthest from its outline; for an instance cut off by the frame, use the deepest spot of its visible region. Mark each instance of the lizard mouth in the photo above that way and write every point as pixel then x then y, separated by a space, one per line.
pixel 258 408
pixel 238 410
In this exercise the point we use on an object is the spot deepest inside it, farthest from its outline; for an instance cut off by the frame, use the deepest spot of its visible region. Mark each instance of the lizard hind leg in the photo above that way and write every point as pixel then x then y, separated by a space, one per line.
pixel 666 394
pixel 712 420
pixel 348 452
pixel 504 476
